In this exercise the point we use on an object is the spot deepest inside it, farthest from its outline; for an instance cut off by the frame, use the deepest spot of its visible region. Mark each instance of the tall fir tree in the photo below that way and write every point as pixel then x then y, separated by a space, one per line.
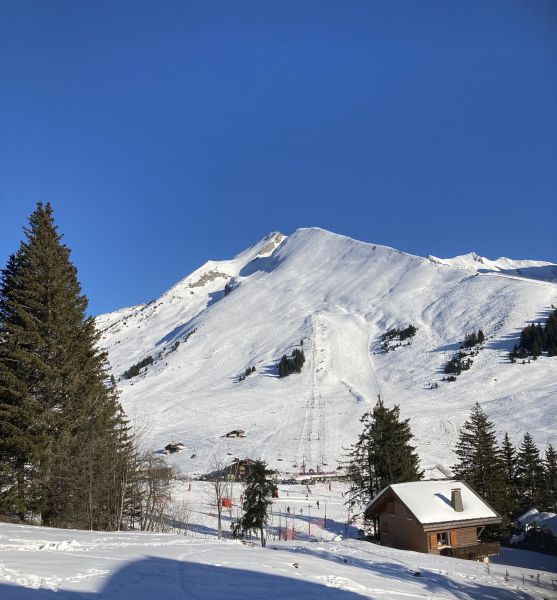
pixel 550 479
pixel 479 460
pixel 65 440
pixel 509 464
pixel 530 473
pixel 259 491
pixel 382 455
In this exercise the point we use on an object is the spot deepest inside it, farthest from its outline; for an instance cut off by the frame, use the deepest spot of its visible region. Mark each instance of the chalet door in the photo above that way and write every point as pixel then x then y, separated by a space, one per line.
pixel 454 538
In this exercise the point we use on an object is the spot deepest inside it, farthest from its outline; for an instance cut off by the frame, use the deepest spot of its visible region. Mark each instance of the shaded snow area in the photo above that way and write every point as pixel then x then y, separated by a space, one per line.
pixel 51 564
pixel 337 297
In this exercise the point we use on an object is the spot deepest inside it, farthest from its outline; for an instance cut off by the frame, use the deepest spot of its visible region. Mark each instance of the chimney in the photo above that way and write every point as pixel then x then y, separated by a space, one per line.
pixel 456 500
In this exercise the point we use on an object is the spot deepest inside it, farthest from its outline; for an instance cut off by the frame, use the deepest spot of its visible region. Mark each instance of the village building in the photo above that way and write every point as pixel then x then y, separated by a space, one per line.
pixel 236 433
pixel 239 469
pixel 174 447
pixel 436 517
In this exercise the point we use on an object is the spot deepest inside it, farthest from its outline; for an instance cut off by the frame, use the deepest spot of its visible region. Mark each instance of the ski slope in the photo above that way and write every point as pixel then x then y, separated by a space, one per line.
pixel 336 296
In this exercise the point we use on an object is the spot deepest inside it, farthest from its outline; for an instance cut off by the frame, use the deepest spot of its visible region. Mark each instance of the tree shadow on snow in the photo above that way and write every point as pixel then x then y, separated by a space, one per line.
pixel 164 579
pixel 454 347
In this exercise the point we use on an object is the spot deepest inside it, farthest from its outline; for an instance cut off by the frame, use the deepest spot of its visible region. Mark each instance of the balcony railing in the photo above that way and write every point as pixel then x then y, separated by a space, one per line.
pixel 480 550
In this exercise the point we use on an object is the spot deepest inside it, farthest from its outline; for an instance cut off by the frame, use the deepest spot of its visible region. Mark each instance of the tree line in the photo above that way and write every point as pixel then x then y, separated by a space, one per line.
pixel 135 369
pixel 537 338
pixel 294 364
pixel 511 479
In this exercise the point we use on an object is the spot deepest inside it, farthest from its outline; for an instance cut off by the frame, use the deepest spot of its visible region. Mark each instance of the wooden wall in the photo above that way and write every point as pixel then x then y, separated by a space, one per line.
pixel 459 538
pixel 399 529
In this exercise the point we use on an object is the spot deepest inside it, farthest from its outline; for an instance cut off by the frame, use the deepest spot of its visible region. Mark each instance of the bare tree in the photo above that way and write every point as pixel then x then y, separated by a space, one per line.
pixel 151 492
pixel 180 517
pixel 220 490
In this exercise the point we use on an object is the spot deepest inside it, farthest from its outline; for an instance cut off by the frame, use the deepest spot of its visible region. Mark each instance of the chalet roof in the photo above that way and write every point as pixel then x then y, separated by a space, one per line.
pixel 430 501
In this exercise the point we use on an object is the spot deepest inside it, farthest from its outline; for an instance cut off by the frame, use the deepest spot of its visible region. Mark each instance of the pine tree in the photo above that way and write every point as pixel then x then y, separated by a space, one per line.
pixel 479 460
pixel 15 445
pixel 550 479
pixel 481 336
pixel 382 455
pixel 65 439
pixel 470 339
pixel 258 494
pixel 530 474
pixel 283 366
pixel 509 463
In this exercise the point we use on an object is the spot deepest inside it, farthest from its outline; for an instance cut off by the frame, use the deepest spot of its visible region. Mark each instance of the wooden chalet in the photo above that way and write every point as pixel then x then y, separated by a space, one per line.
pixel 436 517
pixel 239 469
pixel 174 447
pixel 236 433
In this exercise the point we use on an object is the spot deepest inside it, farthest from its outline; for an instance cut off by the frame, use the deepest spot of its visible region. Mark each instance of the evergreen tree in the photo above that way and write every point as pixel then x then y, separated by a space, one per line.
pixel 479 460
pixel 382 455
pixel 509 463
pixel 470 339
pixel 293 364
pixel 65 441
pixel 537 338
pixel 530 474
pixel 15 446
pixel 481 336
pixel 550 479
pixel 283 366
pixel 258 494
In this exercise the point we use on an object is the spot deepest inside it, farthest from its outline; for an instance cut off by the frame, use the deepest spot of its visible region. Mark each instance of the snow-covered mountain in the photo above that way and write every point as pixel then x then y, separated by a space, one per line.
pixel 532 269
pixel 337 296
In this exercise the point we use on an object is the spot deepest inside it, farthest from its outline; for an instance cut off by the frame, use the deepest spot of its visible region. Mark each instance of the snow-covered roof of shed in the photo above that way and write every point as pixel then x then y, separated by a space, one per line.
pixel 430 501
pixel 547 520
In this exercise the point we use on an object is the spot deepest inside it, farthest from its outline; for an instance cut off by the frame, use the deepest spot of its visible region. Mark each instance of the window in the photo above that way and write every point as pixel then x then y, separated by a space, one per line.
pixel 442 538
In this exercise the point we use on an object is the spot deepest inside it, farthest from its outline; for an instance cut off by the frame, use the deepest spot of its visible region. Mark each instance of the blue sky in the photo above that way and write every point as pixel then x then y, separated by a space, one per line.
pixel 167 133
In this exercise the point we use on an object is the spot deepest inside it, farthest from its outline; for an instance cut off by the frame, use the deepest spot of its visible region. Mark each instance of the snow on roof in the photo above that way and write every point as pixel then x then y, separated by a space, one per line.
pixel 430 501
pixel 528 516
pixel 535 518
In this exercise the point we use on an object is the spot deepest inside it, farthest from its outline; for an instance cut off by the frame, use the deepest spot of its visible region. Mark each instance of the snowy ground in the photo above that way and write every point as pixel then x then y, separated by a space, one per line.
pixel 38 563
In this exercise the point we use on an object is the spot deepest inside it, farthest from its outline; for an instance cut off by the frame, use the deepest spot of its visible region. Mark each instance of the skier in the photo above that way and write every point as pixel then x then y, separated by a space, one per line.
pixel 318 504
pixel 288 509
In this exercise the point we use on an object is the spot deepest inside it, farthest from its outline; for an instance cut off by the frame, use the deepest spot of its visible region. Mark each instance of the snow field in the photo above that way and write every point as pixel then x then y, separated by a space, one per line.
pixel 39 563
